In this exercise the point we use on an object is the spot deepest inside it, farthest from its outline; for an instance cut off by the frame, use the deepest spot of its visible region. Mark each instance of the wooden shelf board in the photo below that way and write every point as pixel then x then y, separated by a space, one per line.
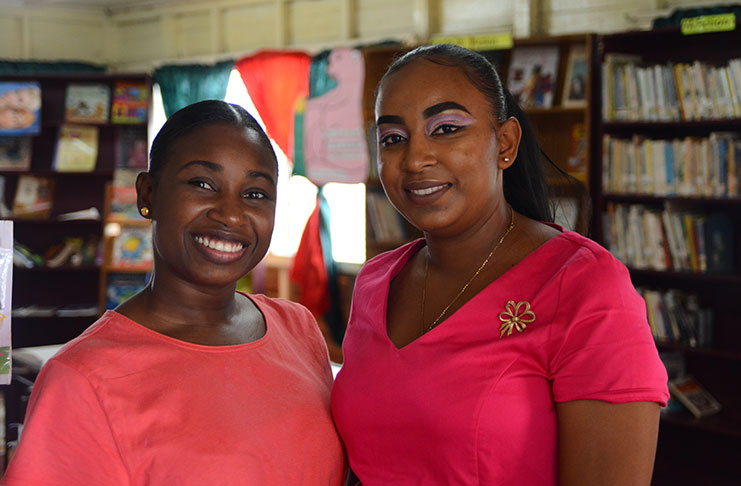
pixel 706 277
pixel 651 198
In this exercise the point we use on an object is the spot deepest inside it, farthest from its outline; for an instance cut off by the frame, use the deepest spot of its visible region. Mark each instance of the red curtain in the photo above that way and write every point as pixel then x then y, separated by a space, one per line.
pixel 275 80
pixel 309 271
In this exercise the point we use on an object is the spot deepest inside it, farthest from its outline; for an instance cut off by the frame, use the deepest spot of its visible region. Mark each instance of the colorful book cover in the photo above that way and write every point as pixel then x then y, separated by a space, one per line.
pixel 15 153
pixel 121 286
pixel 130 102
pixel 20 108
pixel 123 204
pixel 77 148
pixel 33 197
pixel 131 148
pixel 132 248
pixel 532 75
pixel 87 103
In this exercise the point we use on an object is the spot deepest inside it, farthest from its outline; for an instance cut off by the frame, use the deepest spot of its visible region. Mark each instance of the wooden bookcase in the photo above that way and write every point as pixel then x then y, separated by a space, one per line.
pixel 68 284
pixel 690 451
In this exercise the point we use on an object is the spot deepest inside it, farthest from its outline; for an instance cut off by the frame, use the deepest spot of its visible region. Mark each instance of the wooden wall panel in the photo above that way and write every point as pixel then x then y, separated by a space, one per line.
pixel 250 27
pixel 312 21
pixel 139 40
pixel 376 18
pixel 465 16
pixel 193 30
pixel 83 38
pixel 11 35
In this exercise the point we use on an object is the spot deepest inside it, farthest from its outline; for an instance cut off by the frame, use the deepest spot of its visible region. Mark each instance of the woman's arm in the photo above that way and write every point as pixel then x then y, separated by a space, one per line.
pixel 606 444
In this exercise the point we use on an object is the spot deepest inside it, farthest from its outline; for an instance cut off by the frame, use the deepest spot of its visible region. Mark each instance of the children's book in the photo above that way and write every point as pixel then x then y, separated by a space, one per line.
pixel 33 197
pixel 132 248
pixel 20 108
pixel 77 148
pixel 123 204
pixel 693 396
pixel 15 153
pixel 532 75
pixel 87 103
pixel 130 102
pixel 121 286
pixel 131 148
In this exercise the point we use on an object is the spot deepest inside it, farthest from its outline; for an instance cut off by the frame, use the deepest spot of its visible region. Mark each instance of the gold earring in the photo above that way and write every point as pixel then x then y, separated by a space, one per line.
pixel 144 211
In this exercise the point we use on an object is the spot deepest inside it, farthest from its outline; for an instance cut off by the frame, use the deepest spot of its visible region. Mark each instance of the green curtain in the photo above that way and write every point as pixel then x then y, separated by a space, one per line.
pixel 182 85
pixel 36 67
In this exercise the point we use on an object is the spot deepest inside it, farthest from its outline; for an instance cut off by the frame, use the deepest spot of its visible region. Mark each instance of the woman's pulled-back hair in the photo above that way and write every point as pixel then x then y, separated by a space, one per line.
pixel 199 115
pixel 524 181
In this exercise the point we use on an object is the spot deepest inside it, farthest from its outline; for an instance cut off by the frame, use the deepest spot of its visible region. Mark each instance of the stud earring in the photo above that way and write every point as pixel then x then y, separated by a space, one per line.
pixel 506 159
pixel 144 211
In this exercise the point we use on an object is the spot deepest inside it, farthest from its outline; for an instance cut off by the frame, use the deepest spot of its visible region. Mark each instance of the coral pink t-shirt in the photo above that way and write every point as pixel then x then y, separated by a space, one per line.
pixel 124 405
pixel 462 405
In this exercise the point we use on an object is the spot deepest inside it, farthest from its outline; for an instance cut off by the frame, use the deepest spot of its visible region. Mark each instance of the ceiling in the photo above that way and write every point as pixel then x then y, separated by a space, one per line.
pixel 92 5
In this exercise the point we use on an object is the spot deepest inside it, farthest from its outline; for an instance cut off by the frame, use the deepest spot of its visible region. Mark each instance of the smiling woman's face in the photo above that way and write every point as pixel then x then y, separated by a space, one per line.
pixel 439 153
pixel 213 205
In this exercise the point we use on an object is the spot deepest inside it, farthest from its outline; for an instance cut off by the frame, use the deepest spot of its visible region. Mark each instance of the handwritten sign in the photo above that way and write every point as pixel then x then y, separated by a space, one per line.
pixel 709 23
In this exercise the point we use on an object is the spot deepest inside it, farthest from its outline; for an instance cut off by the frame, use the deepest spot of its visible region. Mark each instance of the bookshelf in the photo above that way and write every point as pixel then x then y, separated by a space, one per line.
pixel 663 178
pixel 53 304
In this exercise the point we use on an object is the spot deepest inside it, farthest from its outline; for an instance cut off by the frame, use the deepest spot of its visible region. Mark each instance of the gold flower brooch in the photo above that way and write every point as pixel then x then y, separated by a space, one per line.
pixel 515 316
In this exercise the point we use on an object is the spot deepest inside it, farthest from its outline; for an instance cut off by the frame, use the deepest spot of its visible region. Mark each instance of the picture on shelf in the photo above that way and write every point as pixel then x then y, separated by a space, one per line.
pixel 130 102
pixel 77 148
pixel 131 149
pixel 575 82
pixel 15 153
pixel 693 396
pixel 121 286
pixel 132 248
pixel 87 103
pixel 123 204
pixel 20 108
pixel 532 75
pixel 33 197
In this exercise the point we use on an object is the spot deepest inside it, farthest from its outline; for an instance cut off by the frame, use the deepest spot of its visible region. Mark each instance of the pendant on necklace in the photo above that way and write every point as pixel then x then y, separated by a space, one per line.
pixel 515 316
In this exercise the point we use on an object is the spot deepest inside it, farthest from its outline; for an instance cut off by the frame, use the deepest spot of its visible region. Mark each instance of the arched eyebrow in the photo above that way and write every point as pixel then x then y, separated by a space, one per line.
pixel 440 107
pixel 427 113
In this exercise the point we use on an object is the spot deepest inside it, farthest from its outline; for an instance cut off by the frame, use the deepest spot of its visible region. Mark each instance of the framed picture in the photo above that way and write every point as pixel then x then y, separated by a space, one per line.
pixel 575 81
pixel 532 75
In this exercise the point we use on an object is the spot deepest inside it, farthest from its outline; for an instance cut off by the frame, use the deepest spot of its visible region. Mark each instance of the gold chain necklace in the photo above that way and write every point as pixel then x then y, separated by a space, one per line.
pixel 478 271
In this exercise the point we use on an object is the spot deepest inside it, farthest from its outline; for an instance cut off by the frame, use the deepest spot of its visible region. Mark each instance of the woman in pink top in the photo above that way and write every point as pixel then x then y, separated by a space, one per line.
pixel 499 349
pixel 189 382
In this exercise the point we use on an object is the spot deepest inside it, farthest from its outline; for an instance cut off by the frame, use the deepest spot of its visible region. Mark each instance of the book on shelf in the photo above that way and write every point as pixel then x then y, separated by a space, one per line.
pixel 665 239
pixel 77 148
pixel 634 90
pixel 87 103
pixel 131 148
pixel 132 248
pixel 577 161
pixel 693 166
pixel 123 204
pixel 693 396
pixel 20 108
pixel 532 75
pixel 386 223
pixel 15 153
pixel 33 197
pixel 121 286
pixel 130 102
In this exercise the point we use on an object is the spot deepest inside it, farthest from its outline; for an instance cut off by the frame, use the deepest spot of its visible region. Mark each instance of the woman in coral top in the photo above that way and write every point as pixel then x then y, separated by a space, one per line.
pixel 190 382
pixel 499 349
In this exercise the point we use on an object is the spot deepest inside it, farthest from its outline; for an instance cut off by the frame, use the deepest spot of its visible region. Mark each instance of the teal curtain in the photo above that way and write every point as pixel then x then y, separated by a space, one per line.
pixel 182 85
pixel 36 67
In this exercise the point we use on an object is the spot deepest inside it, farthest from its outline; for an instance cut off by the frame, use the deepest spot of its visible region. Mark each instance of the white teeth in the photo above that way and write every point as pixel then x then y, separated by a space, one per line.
pixel 425 192
pixel 219 245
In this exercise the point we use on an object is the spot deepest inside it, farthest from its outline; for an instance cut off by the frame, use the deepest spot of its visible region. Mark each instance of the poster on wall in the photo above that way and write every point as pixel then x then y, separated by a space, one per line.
pixel 6 291
pixel 20 108
pixel 334 143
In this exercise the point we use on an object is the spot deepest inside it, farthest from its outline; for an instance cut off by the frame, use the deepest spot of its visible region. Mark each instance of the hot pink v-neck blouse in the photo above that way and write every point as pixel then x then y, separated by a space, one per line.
pixel 470 402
